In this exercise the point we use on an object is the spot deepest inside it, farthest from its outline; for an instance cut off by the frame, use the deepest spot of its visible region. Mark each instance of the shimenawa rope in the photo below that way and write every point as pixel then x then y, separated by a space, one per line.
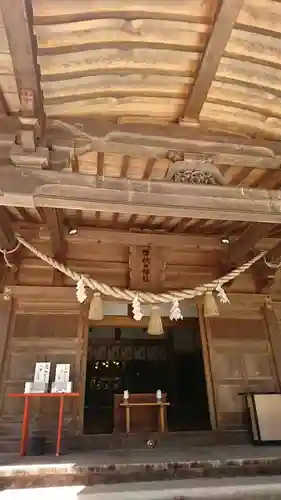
pixel 144 297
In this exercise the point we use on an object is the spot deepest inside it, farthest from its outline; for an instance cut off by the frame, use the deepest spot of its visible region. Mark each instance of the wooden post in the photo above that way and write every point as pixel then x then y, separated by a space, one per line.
pixel 205 337
pixel 6 329
pixel 83 331
pixel 274 336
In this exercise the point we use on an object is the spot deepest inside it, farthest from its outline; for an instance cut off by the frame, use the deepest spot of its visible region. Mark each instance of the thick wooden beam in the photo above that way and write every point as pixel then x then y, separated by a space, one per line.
pixel 130 238
pixel 85 235
pixel 153 141
pixel 7 238
pixel 266 276
pixel 32 188
pixel 222 28
pixel 17 18
pixel 239 249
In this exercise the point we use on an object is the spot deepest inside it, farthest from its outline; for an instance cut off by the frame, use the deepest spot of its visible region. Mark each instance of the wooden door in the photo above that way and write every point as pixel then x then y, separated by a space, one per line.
pixel 241 360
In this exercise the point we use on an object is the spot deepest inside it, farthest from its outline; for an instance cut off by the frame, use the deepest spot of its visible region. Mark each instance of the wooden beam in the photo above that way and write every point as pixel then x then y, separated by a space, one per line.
pixel 93 236
pixel 17 19
pixel 265 276
pixel 143 239
pixel 239 249
pixel 153 141
pixel 54 222
pixel 275 253
pixel 222 28
pixel 7 238
pixel 31 188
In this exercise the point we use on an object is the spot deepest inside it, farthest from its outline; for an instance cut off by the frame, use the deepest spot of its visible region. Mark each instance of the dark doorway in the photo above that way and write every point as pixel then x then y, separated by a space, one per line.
pixel 129 359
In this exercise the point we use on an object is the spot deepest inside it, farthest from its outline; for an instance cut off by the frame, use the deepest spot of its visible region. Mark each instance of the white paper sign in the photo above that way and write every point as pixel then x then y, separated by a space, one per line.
pixel 62 373
pixel 42 373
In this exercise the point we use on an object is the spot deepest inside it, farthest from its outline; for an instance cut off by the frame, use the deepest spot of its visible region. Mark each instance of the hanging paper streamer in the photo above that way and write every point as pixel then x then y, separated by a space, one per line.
pixel 175 312
pixel 137 312
pixel 81 291
pixel 222 295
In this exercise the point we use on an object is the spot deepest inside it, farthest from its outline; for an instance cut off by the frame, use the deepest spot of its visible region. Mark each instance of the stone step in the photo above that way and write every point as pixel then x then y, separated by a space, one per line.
pixel 113 468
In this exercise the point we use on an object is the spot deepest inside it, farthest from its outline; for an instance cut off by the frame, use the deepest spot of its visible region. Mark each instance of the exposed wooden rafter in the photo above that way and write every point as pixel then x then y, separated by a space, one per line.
pixel 225 19
pixel 31 188
pixel 239 249
pixel 265 275
pixel 17 18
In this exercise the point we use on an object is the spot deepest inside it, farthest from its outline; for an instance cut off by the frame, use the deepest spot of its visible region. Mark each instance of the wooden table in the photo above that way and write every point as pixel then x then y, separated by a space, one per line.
pixel 27 397
pixel 162 407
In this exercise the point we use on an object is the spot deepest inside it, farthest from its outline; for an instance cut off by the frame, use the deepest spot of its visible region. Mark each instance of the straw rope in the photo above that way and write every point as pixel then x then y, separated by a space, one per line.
pixel 144 297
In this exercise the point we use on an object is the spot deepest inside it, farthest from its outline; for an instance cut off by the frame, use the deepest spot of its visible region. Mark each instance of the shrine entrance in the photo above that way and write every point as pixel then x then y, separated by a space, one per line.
pixel 128 359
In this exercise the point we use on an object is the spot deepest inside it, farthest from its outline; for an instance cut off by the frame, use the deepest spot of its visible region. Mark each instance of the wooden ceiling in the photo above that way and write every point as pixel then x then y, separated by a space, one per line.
pixel 148 81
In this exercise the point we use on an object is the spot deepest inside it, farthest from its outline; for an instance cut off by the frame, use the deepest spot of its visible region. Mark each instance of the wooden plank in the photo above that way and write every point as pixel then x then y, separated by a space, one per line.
pixel 32 188
pixel 18 25
pixel 225 20
pixel 239 249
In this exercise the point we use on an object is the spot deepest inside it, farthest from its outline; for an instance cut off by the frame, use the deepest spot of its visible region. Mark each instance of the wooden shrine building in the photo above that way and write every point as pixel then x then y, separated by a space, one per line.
pixel 140 145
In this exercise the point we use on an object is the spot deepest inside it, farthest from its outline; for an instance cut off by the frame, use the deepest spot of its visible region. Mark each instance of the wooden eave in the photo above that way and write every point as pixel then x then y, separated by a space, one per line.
pixel 149 82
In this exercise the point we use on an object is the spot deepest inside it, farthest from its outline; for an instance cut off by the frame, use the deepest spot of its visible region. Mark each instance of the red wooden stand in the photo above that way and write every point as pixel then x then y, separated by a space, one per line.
pixel 27 396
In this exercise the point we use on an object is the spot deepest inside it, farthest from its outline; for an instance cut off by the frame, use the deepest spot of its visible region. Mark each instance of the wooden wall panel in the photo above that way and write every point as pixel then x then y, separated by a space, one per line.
pixel 46 329
pixel 37 337
pixel 241 360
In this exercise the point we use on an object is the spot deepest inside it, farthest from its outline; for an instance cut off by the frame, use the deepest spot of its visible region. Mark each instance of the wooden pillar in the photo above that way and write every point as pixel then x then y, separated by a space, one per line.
pixel 6 314
pixel 83 333
pixel 274 336
pixel 205 339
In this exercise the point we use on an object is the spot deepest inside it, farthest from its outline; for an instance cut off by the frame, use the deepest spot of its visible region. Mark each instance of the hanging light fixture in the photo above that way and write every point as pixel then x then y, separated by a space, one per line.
pixel 155 326
pixel 96 312
pixel 210 305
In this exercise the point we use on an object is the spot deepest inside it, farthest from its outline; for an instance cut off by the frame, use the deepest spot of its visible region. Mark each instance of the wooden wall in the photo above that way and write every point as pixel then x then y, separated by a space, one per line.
pixel 45 325
pixel 241 358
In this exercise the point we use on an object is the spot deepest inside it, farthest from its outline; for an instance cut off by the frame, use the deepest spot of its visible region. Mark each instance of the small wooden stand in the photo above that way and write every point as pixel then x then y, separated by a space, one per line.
pixel 162 407
pixel 27 396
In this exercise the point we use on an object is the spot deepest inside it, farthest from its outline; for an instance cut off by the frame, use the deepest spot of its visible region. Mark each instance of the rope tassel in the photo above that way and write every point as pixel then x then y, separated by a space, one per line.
pixel 210 305
pixel 96 308
pixel 155 326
